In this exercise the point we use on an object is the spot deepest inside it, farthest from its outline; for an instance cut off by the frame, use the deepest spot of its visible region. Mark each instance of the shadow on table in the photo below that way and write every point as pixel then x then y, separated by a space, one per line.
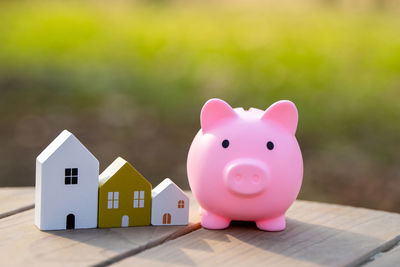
pixel 113 241
pixel 301 241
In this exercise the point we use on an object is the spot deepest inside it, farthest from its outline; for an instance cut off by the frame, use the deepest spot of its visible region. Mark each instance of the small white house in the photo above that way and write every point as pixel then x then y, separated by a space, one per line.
pixel 67 185
pixel 170 205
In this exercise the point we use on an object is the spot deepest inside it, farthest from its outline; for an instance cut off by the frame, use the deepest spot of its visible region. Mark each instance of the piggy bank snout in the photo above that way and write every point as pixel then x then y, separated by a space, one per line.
pixel 246 176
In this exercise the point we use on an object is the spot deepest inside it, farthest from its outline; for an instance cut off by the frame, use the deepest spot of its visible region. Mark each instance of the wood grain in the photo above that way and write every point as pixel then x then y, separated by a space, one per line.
pixel 386 258
pixel 23 244
pixel 317 234
pixel 16 199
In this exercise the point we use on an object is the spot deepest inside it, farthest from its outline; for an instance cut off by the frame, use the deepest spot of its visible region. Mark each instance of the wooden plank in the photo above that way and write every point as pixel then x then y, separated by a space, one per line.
pixel 386 258
pixel 16 199
pixel 317 234
pixel 22 243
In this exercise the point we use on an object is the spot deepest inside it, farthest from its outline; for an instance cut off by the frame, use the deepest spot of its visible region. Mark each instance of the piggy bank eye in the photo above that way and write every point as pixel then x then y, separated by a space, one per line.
pixel 225 143
pixel 270 145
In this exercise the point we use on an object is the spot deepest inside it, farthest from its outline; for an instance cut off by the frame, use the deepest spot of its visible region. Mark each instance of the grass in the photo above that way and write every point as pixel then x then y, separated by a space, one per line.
pixel 340 66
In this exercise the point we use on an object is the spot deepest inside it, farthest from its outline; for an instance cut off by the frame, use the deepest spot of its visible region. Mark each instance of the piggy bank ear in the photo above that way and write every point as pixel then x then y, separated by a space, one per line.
pixel 214 112
pixel 283 112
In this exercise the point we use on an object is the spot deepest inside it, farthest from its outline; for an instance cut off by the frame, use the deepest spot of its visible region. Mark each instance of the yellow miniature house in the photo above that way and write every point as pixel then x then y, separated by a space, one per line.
pixel 124 196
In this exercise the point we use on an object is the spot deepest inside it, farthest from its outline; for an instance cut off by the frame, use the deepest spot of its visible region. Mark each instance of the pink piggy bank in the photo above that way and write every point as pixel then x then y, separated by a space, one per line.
pixel 245 165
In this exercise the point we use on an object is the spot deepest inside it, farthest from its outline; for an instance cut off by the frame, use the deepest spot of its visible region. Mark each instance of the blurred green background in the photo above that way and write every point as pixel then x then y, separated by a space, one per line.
pixel 129 79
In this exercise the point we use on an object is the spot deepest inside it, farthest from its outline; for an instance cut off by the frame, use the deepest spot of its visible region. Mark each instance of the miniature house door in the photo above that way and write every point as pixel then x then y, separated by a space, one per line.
pixel 166 218
pixel 70 221
pixel 125 221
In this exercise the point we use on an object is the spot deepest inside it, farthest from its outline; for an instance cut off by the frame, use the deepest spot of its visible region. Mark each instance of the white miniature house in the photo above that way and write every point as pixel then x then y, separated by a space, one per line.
pixel 66 194
pixel 170 205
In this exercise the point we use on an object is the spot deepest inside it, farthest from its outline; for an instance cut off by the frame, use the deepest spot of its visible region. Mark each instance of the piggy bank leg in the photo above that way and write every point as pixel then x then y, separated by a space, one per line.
pixel 210 220
pixel 274 224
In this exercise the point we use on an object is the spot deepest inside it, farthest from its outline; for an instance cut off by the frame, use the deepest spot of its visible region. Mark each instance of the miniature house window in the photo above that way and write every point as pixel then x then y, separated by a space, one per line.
pixel 138 199
pixel 71 175
pixel 166 218
pixel 181 204
pixel 113 198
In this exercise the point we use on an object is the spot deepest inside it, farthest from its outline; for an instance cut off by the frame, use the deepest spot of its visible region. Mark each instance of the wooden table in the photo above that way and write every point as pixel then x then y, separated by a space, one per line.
pixel 316 234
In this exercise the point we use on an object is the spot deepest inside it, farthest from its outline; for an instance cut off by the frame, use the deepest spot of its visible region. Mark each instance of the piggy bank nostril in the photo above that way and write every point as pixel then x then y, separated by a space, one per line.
pixel 238 178
pixel 256 178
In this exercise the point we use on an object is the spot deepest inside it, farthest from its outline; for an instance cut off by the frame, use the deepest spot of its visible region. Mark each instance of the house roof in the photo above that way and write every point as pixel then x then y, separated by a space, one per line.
pixel 115 167
pixel 65 137
pixel 111 170
pixel 164 185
